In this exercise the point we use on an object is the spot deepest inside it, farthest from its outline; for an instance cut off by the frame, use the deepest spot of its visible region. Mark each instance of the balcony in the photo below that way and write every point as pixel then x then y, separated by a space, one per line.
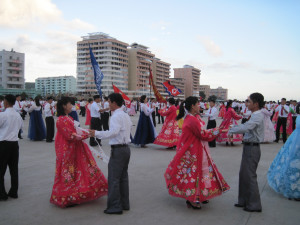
pixel 14 61
pixel 14 68
pixel 15 82
pixel 15 75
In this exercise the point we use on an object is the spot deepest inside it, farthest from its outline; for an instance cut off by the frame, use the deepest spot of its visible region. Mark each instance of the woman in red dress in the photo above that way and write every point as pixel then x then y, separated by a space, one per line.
pixel 88 112
pixel 192 174
pixel 230 118
pixel 77 176
pixel 222 110
pixel 169 134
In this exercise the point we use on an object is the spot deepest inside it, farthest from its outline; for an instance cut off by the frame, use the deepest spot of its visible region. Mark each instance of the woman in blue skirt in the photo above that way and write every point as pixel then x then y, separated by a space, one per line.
pixel 74 114
pixel 284 172
pixel 145 132
pixel 36 129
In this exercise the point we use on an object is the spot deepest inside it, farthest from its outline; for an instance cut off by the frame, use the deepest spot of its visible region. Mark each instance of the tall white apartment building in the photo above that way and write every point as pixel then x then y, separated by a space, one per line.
pixel 12 69
pixel 112 57
pixel 56 85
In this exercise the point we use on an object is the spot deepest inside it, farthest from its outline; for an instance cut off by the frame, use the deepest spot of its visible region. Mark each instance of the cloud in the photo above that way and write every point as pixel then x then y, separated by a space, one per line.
pixel 25 13
pixel 210 46
pixel 77 24
pixel 275 71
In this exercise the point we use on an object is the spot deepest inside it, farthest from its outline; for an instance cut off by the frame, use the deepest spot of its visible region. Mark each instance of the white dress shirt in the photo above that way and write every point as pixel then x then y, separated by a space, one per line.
pixel 211 113
pixel 119 128
pixel 10 124
pixel 2 106
pixel 95 110
pixel 47 110
pixel 18 107
pixel 246 112
pixel 284 114
pixel 147 110
pixel 106 106
pixel 34 107
pixel 82 104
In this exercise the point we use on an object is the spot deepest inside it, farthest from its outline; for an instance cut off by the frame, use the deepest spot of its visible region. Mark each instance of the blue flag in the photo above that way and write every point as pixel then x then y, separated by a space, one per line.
pixel 98 75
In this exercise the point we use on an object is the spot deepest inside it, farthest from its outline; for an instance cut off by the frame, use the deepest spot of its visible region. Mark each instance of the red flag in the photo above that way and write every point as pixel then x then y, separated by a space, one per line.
pixel 172 90
pixel 158 96
pixel 126 99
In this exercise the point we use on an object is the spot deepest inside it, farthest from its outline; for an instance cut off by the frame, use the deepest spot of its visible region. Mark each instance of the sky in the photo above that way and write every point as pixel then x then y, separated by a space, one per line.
pixel 244 46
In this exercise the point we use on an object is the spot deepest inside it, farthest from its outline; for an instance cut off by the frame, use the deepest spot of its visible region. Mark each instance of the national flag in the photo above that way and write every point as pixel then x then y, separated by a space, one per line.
pixel 98 75
pixel 158 96
pixel 170 89
pixel 125 97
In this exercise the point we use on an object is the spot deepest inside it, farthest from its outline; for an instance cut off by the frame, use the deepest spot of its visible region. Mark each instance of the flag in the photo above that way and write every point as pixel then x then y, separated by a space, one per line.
pixel 98 75
pixel 158 96
pixel 125 97
pixel 170 89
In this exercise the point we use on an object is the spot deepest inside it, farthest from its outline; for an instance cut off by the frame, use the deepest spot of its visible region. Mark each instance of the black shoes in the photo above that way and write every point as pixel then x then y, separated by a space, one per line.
pixel 252 210
pixel 12 195
pixel 3 198
pixel 205 202
pixel 117 213
pixel 190 205
pixel 276 141
pixel 238 205
pixel 227 144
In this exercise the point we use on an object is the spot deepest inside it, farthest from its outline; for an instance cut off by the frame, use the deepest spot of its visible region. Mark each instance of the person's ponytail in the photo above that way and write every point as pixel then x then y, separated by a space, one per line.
pixel 181 111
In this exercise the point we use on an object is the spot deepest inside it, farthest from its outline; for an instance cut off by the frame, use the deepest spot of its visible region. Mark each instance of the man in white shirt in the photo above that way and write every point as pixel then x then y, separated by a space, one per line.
pixel 246 113
pixel 96 123
pixel 212 114
pixel 105 114
pixel 82 104
pixel 283 111
pixel 49 113
pixel 119 137
pixel 10 124
pixel 2 104
pixel 294 116
pixel 18 107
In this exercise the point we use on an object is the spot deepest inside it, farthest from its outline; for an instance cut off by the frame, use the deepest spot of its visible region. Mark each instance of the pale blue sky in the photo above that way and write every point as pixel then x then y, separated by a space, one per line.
pixel 245 46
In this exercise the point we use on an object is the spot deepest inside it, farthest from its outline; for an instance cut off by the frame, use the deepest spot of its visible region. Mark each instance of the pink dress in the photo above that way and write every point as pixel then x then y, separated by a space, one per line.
pixel 269 127
pixel 131 111
pixel 230 118
pixel 88 115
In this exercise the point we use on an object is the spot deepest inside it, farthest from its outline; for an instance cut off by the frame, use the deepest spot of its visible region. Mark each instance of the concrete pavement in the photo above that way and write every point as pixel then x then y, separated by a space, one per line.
pixel 150 201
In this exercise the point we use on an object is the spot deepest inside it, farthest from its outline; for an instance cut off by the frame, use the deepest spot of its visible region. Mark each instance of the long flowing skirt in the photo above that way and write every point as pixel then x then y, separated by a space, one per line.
pixel 74 115
pixel 78 179
pixel 223 137
pixel 36 129
pixel 145 132
pixel 269 135
pixel 284 172
pixel 169 134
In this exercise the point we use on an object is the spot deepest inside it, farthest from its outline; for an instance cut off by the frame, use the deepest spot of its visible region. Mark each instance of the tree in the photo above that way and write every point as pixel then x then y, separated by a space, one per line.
pixel 202 94
pixel 24 95
pixel 212 97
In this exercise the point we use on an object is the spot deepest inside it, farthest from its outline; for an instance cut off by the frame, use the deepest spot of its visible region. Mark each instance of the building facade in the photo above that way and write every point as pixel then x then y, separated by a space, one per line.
pixel 56 85
pixel 161 73
pixel 220 92
pixel 191 76
pixel 205 89
pixel 112 57
pixel 12 69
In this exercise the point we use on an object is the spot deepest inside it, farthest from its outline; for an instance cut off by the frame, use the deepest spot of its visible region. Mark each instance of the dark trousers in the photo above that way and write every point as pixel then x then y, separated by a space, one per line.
pixel 50 128
pixel 294 122
pixel 153 118
pixel 248 188
pixel 281 122
pixel 159 116
pixel 244 120
pixel 105 118
pixel 212 124
pixel 118 183
pixel 96 124
pixel 82 111
pixel 9 156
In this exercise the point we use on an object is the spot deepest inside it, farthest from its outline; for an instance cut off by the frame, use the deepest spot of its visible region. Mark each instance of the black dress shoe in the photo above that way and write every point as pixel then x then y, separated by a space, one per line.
pixel 3 198
pixel 12 195
pixel 126 209
pixel 252 210
pixel 276 141
pixel 238 205
pixel 205 202
pixel 20 137
pixel 118 213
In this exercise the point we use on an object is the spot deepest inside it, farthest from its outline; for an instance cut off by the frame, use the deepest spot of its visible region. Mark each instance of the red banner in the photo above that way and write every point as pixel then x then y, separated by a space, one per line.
pixel 158 96
pixel 125 97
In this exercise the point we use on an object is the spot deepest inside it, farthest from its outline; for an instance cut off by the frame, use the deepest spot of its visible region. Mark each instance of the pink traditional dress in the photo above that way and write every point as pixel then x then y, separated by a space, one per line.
pixel 88 114
pixel 269 134
pixel 192 174
pixel 131 111
pixel 78 179
pixel 169 134
pixel 230 118
pixel 275 117
pixel 222 111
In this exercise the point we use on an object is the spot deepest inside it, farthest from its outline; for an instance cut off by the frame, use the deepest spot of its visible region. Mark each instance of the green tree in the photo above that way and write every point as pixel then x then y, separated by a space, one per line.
pixel 24 95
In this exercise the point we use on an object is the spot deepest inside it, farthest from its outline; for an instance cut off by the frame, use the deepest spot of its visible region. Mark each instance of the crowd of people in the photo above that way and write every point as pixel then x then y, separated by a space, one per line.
pixel 192 173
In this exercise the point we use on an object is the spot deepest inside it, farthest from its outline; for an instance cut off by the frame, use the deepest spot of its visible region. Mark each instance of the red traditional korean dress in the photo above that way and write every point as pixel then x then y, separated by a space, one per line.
pixel 169 134
pixel 222 111
pixel 230 118
pixel 78 179
pixel 88 114
pixel 192 174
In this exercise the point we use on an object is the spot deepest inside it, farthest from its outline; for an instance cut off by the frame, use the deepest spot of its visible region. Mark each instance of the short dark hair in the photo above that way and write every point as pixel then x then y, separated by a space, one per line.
pixel 257 98
pixel 18 96
pixel 117 98
pixel 105 98
pixel 59 107
pixel 283 99
pixel 49 98
pixel 142 99
pixel 171 101
pixel 96 96
pixel 212 100
pixel 11 99
pixel 90 100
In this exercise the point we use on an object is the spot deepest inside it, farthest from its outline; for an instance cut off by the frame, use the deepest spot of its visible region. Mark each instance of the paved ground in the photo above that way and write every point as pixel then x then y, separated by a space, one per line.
pixel 150 201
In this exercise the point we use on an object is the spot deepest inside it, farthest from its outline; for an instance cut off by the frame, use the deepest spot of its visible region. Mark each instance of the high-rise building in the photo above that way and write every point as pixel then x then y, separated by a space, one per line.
pixel 112 57
pixel 140 59
pixel 205 89
pixel 12 69
pixel 161 73
pixel 220 92
pixel 191 76
pixel 56 85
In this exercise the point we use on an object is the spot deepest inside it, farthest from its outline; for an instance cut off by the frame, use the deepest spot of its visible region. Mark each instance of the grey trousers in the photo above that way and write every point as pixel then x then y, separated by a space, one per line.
pixel 118 183
pixel 248 187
